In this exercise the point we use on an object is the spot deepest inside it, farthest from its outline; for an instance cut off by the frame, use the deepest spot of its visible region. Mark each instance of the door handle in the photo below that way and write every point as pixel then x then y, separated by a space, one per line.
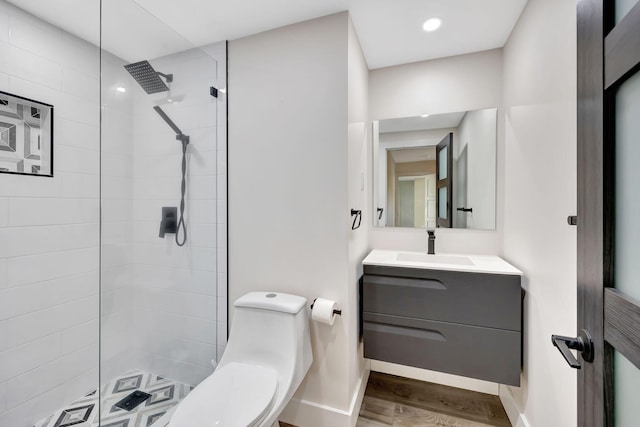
pixel 463 209
pixel 583 343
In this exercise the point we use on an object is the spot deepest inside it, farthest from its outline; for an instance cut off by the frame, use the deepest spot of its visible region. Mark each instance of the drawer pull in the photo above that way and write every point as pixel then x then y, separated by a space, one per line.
pixel 411 283
pixel 425 334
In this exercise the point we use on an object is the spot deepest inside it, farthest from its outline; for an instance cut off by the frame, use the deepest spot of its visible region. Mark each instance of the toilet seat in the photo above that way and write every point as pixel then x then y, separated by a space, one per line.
pixel 235 395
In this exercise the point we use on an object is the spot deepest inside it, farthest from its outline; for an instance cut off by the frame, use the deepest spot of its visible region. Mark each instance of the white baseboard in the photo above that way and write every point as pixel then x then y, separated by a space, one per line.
pixel 516 417
pixel 311 414
pixel 435 377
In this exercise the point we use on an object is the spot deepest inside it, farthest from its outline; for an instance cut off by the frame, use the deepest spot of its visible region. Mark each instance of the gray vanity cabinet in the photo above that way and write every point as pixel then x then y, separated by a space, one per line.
pixel 461 323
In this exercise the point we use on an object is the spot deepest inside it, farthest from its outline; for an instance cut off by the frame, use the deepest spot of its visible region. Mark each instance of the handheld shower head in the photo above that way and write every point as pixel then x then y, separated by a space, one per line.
pixel 148 78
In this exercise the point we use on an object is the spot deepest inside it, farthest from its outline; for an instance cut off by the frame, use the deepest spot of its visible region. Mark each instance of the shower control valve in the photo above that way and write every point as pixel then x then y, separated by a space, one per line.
pixel 169 222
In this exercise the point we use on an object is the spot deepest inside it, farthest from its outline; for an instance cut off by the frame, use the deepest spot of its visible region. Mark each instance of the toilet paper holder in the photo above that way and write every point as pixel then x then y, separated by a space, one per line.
pixel 336 312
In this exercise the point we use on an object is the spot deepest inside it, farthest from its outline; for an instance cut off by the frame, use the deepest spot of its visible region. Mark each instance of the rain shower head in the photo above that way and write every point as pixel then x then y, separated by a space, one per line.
pixel 148 78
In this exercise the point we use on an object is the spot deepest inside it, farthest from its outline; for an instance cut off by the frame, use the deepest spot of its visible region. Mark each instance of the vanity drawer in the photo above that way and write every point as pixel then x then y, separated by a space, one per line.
pixel 477 352
pixel 479 299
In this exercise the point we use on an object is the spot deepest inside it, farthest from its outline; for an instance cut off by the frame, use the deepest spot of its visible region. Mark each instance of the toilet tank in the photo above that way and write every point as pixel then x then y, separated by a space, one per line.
pixel 272 329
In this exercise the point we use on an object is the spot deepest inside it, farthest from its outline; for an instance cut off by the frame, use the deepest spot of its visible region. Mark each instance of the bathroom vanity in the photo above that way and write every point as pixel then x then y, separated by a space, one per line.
pixel 459 314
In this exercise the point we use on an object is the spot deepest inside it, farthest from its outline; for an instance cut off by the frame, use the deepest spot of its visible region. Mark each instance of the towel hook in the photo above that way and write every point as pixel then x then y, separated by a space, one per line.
pixel 357 214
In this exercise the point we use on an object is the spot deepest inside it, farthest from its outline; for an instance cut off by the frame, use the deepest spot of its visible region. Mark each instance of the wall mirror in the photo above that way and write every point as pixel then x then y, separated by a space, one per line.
pixel 436 170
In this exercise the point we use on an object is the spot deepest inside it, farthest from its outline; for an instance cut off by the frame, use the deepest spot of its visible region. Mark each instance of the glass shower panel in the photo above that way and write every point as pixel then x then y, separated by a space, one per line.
pixel 159 298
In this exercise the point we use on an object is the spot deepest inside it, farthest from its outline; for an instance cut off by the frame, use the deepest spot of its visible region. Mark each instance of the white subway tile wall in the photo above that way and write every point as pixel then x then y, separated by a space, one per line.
pixel 49 231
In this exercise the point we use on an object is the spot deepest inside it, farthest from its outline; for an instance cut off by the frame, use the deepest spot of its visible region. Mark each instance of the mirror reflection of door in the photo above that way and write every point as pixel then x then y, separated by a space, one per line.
pixel 411 191
pixel 416 201
pixel 398 142
pixel 405 202
pixel 430 201
pixel 444 166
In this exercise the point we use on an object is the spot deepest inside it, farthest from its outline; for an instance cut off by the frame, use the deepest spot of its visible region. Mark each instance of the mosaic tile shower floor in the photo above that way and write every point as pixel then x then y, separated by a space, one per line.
pixel 165 394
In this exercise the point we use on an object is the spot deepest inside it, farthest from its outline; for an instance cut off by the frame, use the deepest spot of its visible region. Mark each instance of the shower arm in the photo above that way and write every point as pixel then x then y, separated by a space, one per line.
pixel 179 135
pixel 167 77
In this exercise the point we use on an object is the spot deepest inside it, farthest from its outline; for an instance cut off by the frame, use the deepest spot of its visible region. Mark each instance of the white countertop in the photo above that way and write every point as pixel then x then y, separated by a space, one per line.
pixel 452 262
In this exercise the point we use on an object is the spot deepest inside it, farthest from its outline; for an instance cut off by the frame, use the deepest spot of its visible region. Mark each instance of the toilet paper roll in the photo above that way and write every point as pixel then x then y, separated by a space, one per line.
pixel 323 311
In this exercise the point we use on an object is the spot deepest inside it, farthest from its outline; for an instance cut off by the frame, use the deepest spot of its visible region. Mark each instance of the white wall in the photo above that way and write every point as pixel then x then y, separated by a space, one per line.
pixel 540 192
pixel 359 143
pixel 49 226
pixel 289 192
pixel 440 86
pixel 478 132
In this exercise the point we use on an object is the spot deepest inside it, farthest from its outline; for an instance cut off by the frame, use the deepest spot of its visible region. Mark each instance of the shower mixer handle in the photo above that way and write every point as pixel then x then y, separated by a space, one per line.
pixel 169 221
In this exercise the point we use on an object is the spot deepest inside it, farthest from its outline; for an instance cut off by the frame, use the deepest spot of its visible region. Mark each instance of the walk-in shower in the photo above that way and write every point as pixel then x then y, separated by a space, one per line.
pixel 149 79
pixel 94 306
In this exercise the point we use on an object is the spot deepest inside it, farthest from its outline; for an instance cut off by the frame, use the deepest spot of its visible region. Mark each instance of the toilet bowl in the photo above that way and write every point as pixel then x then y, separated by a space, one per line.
pixel 267 356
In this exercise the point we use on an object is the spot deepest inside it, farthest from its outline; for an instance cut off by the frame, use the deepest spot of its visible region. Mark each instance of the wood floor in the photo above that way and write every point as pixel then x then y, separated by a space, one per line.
pixel 402 402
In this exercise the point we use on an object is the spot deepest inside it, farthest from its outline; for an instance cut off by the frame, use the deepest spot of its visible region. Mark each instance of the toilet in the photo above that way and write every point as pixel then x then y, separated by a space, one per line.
pixel 267 356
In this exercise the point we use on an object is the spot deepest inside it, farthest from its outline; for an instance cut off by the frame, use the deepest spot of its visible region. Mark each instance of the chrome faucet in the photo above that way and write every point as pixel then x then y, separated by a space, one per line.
pixel 431 243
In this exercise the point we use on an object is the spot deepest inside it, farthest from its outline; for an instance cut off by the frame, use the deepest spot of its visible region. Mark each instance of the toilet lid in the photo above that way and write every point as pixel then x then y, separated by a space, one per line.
pixel 235 395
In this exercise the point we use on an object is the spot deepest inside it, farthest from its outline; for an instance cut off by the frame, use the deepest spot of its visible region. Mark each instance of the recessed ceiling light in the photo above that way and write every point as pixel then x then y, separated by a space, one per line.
pixel 424 115
pixel 432 24
pixel 121 89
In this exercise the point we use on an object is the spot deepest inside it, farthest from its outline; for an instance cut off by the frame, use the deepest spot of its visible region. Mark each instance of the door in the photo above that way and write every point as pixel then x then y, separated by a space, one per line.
pixel 444 185
pixel 405 202
pixel 608 206
pixel 419 202
pixel 430 201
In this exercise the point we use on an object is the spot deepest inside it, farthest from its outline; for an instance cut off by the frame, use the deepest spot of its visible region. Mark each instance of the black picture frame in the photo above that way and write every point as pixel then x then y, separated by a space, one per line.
pixel 26 136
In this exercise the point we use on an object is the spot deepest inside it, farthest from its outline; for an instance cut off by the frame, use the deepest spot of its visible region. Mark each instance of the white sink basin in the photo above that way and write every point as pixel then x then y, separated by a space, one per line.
pixel 453 262
pixel 434 259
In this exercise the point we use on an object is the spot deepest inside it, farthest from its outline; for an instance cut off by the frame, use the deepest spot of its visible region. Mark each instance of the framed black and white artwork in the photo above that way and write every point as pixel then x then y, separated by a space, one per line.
pixel 26 136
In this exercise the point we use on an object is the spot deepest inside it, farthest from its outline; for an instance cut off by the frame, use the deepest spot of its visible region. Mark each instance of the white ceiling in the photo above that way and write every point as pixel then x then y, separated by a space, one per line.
pixel 434 121
pixel 390 31
pixel 408 155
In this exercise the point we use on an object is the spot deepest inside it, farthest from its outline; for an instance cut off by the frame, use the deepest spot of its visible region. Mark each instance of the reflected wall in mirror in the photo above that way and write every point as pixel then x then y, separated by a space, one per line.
pixel 436 170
